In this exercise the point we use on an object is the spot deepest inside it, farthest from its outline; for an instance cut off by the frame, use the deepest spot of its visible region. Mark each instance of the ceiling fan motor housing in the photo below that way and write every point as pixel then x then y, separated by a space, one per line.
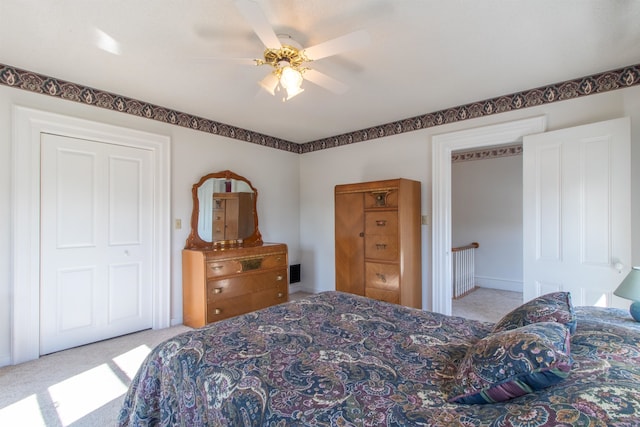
pixel 288 54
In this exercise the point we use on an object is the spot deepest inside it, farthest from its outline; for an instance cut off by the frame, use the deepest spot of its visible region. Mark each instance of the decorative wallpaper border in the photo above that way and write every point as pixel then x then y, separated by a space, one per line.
pixel 487 153
pixel 39 83
pixel 584 86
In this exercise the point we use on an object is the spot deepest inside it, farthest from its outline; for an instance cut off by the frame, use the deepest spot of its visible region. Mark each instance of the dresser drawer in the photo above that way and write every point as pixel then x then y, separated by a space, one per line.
pixel 382 276
pixel 240 265
pixel 222 289
pixel 223 268
pixel 274 260
pixel 234 304
pixel 384 248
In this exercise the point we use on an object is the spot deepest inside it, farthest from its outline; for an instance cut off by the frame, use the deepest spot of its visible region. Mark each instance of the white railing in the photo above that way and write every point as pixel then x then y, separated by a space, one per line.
pixel 464 269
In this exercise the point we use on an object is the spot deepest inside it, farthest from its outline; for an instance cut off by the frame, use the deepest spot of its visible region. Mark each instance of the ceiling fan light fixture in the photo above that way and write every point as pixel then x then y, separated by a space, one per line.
pixel 290 78
pixel 270 83
pixel 288 58
pixel 293 92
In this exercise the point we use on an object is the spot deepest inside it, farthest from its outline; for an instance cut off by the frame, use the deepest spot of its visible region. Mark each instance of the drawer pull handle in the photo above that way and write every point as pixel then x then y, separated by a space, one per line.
pixel 217 290
pixel 381 246
pixel 279 277
pixel 381 222
pixel 217 311
pixel 280 294
pixel 382 278
pixel 217 267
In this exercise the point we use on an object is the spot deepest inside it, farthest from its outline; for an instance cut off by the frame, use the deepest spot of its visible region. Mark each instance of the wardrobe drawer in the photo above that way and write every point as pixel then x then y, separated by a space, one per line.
pixel 218 230
pixel 381 223
pixel 384 248
pixel 382 295
pixel 382 198
pixel 382 276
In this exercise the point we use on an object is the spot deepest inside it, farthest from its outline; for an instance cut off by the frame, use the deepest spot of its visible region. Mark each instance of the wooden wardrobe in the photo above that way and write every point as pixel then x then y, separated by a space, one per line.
pixel 232 216
pixel 378 240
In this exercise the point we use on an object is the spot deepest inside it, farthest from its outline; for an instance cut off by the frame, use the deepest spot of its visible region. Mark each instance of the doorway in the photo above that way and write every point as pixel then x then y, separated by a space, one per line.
pixel 486 208
pixel 442 148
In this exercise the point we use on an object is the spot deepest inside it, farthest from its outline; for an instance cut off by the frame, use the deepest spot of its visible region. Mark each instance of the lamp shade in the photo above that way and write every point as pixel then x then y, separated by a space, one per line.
pixel 293 92
pixel 630 286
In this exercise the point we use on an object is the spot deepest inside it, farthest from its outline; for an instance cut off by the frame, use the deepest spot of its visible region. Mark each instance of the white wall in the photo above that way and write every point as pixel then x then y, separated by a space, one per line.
pixel 409 156
pixel 275 174
pixel 402 156
pixel 296 192
pixel 486 207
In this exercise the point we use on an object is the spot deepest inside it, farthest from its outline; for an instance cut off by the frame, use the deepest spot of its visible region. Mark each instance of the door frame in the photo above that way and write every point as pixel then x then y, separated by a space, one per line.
pixel 442 147
pixel 28 124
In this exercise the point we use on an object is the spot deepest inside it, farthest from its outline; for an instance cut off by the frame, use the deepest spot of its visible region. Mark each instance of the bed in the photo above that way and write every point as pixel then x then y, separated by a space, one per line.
pixel 336 359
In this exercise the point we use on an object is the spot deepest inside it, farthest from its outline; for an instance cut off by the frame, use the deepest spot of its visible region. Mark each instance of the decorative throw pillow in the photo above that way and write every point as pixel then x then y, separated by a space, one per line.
pixel 553 307
pixel 512 363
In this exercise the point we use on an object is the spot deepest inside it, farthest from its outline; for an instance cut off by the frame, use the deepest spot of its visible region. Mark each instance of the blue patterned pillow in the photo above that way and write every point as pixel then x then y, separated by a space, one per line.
pixel 512 363
pixel 553 307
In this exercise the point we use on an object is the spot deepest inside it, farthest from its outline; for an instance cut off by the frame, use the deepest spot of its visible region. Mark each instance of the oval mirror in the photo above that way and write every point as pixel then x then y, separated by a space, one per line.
pixel 224 212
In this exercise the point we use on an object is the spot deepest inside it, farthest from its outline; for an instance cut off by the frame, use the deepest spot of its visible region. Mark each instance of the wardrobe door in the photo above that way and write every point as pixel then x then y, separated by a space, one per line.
pixel 349 235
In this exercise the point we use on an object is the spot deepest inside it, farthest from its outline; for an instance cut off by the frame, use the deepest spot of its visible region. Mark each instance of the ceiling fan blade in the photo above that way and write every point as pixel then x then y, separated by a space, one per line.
pixel 258 21
pixel 209 59
pixel 341 44
pixel 269 83
pixel 325 81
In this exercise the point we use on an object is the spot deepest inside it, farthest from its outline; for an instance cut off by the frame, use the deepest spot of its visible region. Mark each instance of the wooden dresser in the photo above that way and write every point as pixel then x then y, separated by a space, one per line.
pixel 222 283
pixel 378 240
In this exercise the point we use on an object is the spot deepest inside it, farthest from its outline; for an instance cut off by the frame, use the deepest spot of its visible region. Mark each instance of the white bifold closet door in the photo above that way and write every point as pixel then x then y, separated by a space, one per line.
pixel 96 241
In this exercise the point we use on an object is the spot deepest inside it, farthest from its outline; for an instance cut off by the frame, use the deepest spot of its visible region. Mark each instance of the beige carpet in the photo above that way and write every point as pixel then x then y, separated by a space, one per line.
pixel 83 386
pixel 487 305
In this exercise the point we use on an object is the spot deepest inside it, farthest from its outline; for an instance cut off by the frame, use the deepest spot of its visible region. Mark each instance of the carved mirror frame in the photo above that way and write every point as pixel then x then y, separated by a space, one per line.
pixel 195 241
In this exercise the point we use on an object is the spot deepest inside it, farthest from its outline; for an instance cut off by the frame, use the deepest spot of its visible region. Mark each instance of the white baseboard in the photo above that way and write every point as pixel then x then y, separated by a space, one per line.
pixel 500 284
pixel 5 361
pixel 299 287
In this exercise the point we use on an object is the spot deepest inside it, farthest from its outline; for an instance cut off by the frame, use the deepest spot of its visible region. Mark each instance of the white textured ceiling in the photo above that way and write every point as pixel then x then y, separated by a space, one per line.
pixel 424 56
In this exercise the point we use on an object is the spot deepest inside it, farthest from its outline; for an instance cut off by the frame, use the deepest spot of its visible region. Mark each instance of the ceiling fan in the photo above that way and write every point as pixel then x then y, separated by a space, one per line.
pixel 289 61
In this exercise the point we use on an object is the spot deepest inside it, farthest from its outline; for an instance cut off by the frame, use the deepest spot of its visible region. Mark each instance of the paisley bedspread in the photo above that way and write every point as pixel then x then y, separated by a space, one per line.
pixel 336 359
